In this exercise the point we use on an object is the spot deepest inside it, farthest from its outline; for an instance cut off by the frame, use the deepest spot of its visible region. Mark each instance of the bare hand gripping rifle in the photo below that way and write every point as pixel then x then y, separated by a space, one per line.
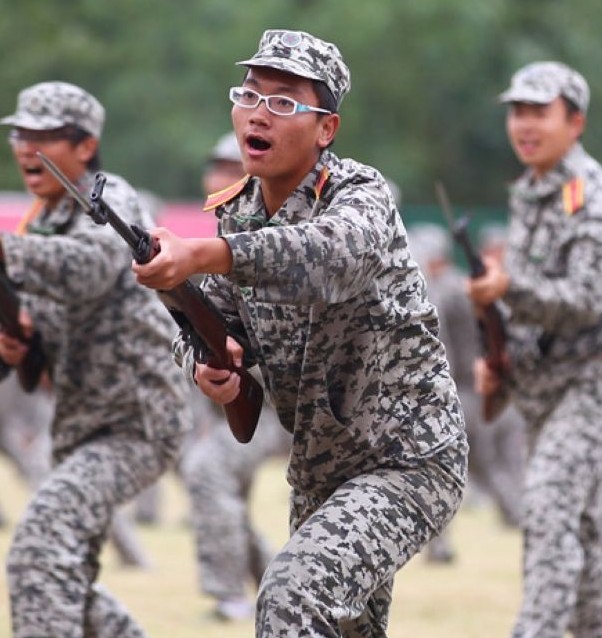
pixel 202 324
pixel 489 319
pixel 30 369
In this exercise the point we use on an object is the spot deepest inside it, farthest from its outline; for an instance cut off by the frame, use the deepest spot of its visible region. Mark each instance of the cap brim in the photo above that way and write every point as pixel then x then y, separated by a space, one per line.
pixel 282 64
pixel 27 121
pixel 524 95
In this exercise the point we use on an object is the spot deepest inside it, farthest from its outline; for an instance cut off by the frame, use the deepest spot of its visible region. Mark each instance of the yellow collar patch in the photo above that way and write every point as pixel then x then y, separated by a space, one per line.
pixel 225 195
pixel 573 196
pixel 30 216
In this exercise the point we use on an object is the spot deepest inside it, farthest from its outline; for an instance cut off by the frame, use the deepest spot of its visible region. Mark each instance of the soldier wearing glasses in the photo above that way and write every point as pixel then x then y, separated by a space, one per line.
pixel 312 266
pixel 120 402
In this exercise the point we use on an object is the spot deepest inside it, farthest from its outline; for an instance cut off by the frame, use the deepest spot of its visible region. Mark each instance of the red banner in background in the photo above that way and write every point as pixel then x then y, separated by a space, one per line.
pixel 183 218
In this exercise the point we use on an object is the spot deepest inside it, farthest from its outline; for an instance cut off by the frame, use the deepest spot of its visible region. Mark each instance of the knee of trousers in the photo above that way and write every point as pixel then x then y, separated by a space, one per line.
pixel 288 588
pixel 58 528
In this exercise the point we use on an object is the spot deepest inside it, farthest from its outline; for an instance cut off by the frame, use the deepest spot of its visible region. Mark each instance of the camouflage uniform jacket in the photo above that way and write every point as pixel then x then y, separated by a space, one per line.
pixel 335 311
pixel 555 297
pixel 107 338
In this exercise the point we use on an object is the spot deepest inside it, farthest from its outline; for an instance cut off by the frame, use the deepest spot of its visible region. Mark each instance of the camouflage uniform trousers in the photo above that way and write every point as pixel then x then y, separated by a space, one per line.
pixel 53 561
pixel 496 457
pixel 334 577
pixel 219 472
pixel 562 524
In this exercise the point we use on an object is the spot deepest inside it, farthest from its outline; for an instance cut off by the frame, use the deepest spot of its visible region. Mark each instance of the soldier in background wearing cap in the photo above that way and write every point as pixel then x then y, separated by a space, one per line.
pixel 120 404
pixel 312 267
pixel 219 472
pixel 550 281
pixel 224 165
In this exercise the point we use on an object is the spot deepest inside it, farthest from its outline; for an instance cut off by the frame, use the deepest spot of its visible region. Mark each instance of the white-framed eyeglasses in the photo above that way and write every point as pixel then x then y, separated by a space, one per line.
pixel 276 104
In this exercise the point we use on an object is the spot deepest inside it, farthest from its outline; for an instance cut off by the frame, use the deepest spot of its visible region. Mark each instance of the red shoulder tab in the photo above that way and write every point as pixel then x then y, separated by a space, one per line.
pixel 225 195
pixel 573 195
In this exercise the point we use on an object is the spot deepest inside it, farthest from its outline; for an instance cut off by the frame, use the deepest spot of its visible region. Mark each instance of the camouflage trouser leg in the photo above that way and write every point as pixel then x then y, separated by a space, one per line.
pixel 563 526
pixel 334 576
pixel 53 559
pixel 148 505
pixel 126 543
pixel 218 475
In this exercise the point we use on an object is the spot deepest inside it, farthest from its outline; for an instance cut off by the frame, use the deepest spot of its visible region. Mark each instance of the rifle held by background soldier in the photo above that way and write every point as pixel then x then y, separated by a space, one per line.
pixel 202 324
pixel 489 317
pixel 30 369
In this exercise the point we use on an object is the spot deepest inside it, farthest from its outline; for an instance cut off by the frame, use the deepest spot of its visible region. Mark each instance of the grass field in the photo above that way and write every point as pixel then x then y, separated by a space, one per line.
pixel 475 597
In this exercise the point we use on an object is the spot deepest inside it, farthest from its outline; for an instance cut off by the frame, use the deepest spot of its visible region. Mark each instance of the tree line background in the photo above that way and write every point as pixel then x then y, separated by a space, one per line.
pixel 425 77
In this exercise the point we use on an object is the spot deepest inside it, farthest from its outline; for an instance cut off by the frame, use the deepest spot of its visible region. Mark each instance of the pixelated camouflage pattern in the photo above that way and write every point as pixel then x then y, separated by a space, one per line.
pixel 121 409
pixel 335 311
pixel 50 105
pixel 555 295
pixel 109 359
pixel 334 576
pixel 54 558
pixel 555 345
pixel 562 521
pixel 543 82
pixel 304 55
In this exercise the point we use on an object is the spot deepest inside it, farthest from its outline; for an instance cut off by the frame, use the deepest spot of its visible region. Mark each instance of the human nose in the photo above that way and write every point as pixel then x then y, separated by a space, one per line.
pixel 262 100
pixel 261 112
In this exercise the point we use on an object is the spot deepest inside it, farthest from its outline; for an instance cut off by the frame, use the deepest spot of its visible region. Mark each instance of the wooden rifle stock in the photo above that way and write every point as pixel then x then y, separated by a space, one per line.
pixel 490 322
pixel 200 321
pixel 30 369
pixel 489 319
pixel 205 328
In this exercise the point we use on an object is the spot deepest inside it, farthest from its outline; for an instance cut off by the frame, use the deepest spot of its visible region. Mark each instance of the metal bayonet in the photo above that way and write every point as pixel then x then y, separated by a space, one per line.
pixel 65 181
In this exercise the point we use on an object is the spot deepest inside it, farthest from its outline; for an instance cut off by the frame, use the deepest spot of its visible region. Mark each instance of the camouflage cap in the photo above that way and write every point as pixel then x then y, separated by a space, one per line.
pixel 226 149
pixel 543 82
pixel 304 55
pixel 50 105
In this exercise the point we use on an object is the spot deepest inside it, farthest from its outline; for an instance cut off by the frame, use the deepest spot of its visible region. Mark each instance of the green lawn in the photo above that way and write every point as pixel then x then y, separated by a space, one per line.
pixel 475 597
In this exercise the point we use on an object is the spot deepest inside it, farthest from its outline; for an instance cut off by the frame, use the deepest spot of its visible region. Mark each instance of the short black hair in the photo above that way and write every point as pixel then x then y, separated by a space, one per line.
pixel 76 135
pixel 326 99
pixel 571 107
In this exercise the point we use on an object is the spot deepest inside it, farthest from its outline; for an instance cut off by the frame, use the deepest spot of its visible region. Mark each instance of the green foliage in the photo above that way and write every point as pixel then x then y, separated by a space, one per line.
pixel 425 76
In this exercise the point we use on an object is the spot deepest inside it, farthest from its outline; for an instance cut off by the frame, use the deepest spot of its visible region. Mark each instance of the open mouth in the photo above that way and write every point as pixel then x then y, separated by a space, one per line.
pixel 257 143
pixel 33 170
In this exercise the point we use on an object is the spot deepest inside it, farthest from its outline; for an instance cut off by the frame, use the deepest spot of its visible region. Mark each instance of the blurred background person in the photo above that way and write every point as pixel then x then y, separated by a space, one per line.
pixel 219 472
pixel 488 472
pixel 120 403
pixel 550 282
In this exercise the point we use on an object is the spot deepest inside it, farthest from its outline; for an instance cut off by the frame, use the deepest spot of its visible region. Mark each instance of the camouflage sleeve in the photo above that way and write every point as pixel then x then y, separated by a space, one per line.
pixel 47 318
pixel 572 296
pixel 83 264
pixel 329 258
pixel 219 289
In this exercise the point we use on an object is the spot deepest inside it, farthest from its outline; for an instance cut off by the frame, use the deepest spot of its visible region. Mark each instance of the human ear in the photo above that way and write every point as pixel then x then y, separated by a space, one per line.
pixel 578 120
pixel 86 149
pixel 329 125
